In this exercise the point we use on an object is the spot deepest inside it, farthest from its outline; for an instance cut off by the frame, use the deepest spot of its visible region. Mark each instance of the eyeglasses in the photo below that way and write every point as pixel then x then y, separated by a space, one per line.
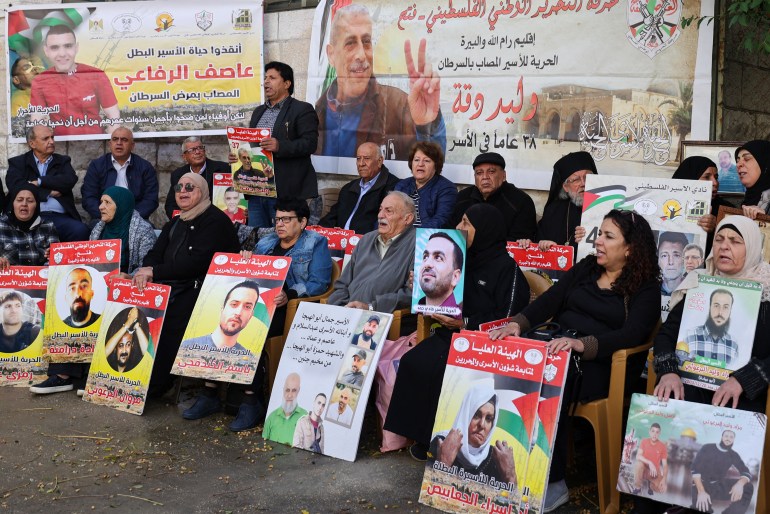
pixel 575 180
pixel 197 149
pixel 187 187
pixel 284 219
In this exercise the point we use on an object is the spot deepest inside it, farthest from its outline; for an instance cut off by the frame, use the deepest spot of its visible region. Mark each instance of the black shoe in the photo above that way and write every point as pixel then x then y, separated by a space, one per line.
pixel 54 384
pixel 649 491
pixel 205 405
pixel 419 452
pixel 249 416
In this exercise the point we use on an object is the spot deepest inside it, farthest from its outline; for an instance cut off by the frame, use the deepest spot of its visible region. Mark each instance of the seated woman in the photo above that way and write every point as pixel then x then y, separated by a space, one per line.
pixel 180 259
pixel 434 196
pixel 119 220
pixel 753 162
pixel 309 275
pixel 611 301
pixel 495 288
pixel 25 238
pixel 468 445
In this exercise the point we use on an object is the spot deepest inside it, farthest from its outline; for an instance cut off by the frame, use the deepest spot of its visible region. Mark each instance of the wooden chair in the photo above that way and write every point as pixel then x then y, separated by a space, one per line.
pixel 274 345
pixel 329 196
pixel 606 418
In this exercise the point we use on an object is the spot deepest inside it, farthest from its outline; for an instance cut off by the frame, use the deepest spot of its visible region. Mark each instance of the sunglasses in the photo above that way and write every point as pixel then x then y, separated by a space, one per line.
pixel 187 187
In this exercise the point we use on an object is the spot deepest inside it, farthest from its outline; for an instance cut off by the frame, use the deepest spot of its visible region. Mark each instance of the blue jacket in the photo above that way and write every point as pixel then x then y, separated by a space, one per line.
pixel 437 199
pixel 142 182
pixel 311 263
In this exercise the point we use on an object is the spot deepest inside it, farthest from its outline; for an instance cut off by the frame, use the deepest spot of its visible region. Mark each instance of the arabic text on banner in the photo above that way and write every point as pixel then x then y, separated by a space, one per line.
pixel 553 263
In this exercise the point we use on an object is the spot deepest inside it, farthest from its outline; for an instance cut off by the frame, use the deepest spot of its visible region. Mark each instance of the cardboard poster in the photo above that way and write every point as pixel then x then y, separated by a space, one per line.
pixel 692 454
pixel 716 334
pixel 324 379
pixel 230 201
pixel 22 304
pixel 338 239
pixel 553 263
pixel 125 351
pixel 489 400
pixel 228 325
pixel 254 171
pixel 439 267
pixel 76 297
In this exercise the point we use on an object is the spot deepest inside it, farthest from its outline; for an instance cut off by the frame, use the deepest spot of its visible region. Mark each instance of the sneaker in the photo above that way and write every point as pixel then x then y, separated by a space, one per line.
pixel 636 490
pixel 649 490
pixel 204 405
pixel 81 392
pixel 249 416
pixel 419 452
pixel 556 495
pixel 54 384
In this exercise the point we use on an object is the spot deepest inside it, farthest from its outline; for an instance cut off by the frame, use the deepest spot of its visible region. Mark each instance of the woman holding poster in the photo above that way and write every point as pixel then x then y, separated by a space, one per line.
pixel 25 238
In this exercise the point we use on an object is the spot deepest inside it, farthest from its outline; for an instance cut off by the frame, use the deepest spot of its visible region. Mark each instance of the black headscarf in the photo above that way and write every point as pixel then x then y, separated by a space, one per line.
pixel 565 167
pixel 489 240
pixel 24 226
pixel 693 167
pixel 760 150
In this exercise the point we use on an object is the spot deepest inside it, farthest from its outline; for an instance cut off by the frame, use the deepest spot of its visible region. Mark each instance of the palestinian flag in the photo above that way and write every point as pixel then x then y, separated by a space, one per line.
pixel 615 193
pixel 27 28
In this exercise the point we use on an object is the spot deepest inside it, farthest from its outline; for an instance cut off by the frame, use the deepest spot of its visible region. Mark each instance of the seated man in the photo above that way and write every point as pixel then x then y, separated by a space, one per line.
pixel 55 178
pixel 517 208
pixel 194 155
pixel 120 167
pixel 377 276
pixel 359 200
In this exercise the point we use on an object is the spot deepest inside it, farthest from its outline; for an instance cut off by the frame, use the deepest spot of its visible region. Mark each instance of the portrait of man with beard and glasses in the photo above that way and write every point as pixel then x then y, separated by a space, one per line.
pixel 365 339
pixel 79 294
pixel 127 340
pixel 441 270
pixel 712 339
pixel 237 312
pixel 719 473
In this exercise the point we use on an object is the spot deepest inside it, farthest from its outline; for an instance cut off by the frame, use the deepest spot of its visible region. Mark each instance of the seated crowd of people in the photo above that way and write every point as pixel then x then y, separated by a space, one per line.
pixel 610 300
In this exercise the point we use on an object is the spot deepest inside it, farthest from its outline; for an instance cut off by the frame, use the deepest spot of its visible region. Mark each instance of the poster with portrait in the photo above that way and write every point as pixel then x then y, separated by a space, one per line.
pixel 723 155
pixel 485 424
pixel 22 305
pixel 324 378
pixel 125 351
pixel 716 334
pixel 439 267
pixel 170 69
pixel 692 454
pixel 553 263
pixel 254 171
pixel 338 239
pixel 78 278
pixel 228 326
pixel 230 201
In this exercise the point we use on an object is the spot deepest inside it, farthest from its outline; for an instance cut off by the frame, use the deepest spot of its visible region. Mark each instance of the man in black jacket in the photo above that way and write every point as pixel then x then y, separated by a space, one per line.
pixel 55 178
pixel 359 200
pixel 194 155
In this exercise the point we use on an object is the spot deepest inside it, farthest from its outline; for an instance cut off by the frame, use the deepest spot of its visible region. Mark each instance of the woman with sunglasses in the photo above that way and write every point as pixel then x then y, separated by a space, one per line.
pixel 180 259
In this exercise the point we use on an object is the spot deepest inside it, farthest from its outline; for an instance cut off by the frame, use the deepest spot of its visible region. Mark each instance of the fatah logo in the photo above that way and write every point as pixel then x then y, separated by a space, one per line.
pixel 110 254
pixel 158 300
pixel 204 19
pixel 115 293
pixel 561 261
pixel 653 25
pixel 57 257
pixel 163 22
pixel 549 373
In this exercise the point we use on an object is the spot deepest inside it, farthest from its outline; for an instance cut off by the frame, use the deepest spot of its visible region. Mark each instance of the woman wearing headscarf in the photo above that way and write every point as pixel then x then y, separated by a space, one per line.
pixel 494 289
pixel 468 445
pixel 119 220
pixel 25 238
pixel 180 259
pixel 753 162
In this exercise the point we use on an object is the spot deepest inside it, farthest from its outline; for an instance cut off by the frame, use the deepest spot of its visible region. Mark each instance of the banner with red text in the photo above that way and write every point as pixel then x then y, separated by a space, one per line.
pixel 553 263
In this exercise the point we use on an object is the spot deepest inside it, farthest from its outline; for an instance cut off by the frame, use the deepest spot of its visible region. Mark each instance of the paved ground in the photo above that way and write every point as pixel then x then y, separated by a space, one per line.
pixel 60 454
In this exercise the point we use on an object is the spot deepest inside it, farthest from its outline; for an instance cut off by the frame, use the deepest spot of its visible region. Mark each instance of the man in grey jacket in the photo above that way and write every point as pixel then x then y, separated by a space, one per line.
pixel 377 276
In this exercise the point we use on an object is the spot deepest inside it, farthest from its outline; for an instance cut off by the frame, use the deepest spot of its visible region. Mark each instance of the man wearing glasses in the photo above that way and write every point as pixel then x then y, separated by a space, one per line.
pixel 194 155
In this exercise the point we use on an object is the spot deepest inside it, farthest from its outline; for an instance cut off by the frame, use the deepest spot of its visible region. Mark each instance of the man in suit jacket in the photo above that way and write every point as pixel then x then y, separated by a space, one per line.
pixel 194 155
pixel 55 178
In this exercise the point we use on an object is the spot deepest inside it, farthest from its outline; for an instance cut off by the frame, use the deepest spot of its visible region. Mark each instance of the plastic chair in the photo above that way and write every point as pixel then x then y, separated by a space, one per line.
pixel 606 418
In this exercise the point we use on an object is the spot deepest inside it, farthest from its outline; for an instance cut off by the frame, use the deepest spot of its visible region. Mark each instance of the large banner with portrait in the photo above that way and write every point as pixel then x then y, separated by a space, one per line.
pixel 229 323
pixel 125 351
pixel 694 455
pixel 159 68
pixel 439 272
pixel 490 76
pixel 485 424
pixel 22 304
pixel 78 279
pixel 716 334
pixel 324 378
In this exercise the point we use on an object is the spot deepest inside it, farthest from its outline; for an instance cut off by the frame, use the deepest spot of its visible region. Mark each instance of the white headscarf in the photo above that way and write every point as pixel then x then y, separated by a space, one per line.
pixel 753 269
pixel 481 392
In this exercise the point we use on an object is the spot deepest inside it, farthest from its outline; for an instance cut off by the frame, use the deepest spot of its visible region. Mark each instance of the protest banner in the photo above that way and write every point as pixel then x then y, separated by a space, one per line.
pixel 125 351
pixel 229 323
pixel 230 201
pixel 170 69
pixel 324 378
pixel 76 297
pixel 716 334
pixel 488 404
pixel 22 302
pixel 498 77
pixel 692 454
pixel 337 239
pixel 352 243
pixel 553 263
pixel 254 171
pixel 439 272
